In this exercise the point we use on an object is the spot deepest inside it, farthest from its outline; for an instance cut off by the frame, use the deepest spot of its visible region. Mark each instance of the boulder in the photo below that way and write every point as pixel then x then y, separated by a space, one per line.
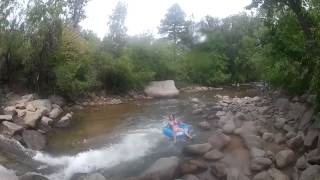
pixel 34 140
pixel 218 140
pixel 311 173
pixel 193 167
pixel 301 163
pixel 10 110
pixel 31 118
pixel 213 155
pixel 6 174
pixel 5 118
pixel 256 152
pixel 55 112
pixel 65 121
pixel 306 119
pixel 56 99
pixel 10 128
pixel 311 137
pixel 296 142
pixel 279 138
pixel 31 108
pixel 285 158
pixel 197 149
pixel 252 141
pixel 277 175
pixel 161 89
pixel 93 176
pixel 219 170
pixel 32 176
pixel 229 127
pixel 42 104
pixel 313 156
pixel 46 121
pixel 204 125
pixel 282 104
pixel 260 163
pixel 164 168
pixel 21 112
pixel 264 175
pixel 190 177
pixel 268 137
pixel 296 111
pixel 279 123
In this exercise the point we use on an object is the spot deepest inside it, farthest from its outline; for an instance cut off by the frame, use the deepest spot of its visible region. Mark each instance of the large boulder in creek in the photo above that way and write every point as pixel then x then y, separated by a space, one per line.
pixel 311 173
pixel 161 89
pixel 34 140
pixel 65 121
pixel 197 149
pixel 31 118
pixel 163 168
pixel 218 140
pixel 5 118
pixel 10 128
pixel 42 104
pixel 285 158
pixel 55 112
pixel 6 174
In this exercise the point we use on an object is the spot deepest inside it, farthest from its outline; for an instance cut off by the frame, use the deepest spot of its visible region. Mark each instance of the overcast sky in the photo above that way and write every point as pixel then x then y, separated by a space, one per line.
pixel 145 15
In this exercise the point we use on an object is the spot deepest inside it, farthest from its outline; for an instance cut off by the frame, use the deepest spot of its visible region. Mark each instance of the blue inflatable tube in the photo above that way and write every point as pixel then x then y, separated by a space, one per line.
pixel 167 131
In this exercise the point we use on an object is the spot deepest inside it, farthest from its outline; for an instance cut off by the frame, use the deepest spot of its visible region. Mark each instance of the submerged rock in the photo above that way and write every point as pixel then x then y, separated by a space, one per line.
pixel 65 121
pixel 161 89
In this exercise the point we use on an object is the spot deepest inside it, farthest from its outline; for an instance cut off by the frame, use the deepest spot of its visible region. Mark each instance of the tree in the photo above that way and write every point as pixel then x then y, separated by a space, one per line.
pixel 76 11
pixel 116 39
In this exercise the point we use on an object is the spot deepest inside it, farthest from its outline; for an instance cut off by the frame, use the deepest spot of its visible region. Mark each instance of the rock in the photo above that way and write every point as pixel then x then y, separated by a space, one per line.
pixel 219 170
pixel 264 175
pixel 285 158
pixel 279 123
pixel 295 142
pixel 311 138
pixel 313 156
pixel 46 121
pixel 311 173
pixel 34 140
pixel 204 125
pixel 306 119
pixel 6 174
pixel 229 127
pixel 291 134
pixel 93 176
pixel 190 177
pixel 235 174
pixel 218 140
pixel 42 104
pixel 5 118
pixel 10 128
pixel 161 89
pixel 220 113
pixel 55 112
pixel 214 155
pixel 277 175
pixel 164 168
pixel 268 137
pixel 31 118
pixel 64 121
pixel 31 108
pixel 256 152
pixel 197 149
pixel 279 138
pixel 55 99
pixel 296 111
pixel 21 112
pixel 195 100
pixel 260 163
pixel 32 176
pixel 197 111
pixel 193 167
pixel 10 110
pixel 301 163
pixel 29 97
pixel 252 141
pixel 282 104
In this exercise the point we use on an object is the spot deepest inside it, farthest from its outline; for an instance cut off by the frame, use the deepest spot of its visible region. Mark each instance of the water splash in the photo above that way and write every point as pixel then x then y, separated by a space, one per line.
pixel 134 145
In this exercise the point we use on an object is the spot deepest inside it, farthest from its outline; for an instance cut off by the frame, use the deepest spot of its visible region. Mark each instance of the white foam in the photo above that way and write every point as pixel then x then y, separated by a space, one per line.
pixel 7 174
pixel 132 146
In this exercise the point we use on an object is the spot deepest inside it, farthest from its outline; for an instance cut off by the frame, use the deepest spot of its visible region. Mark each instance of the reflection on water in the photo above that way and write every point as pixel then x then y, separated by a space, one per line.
pixel 106 137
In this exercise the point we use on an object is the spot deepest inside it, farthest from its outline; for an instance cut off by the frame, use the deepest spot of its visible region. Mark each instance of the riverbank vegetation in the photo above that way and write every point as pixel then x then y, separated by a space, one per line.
pixel 43 48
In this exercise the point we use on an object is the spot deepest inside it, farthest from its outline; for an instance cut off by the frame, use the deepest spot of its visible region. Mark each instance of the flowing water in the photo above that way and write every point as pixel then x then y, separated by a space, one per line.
pixel 122 140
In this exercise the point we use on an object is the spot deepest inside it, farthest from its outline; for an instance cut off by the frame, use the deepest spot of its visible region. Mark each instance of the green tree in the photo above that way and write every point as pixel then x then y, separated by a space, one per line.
pixel 76 11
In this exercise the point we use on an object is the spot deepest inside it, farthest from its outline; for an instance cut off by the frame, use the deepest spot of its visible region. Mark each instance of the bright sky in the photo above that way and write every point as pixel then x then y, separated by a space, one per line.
pixel 145 15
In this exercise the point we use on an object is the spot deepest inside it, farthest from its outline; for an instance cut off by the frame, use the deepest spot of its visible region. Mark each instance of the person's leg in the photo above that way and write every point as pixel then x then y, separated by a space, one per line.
pixel 174 137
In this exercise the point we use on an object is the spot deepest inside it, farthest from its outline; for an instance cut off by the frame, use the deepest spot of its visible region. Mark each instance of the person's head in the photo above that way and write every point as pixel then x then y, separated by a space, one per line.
pixel 171 117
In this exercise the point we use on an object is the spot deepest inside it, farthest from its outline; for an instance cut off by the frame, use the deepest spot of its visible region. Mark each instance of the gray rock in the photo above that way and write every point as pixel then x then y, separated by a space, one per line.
pixel 219 170
pixel 55 112
pixel 312 136
pixel 5 117
pixel 20 106
pixel 277 175
pixel 193 167
pixel 161 89
pixel 268 137
pixel 93 176
pixel 197 149
pixel 10 128
pixel 65 121
pixel 214 155
pixel 296 111
pixel 55 99
pixel 10 110
pixel 220 113
pixel 311 173
pixel 31 108
pixel 282 104
pixel 229 127
pixel 260 163
pixel 279 123
pixel 252 141
pixel 164 168
pixel 313 156
pixel 34 140
pixel 218 140
pixel 235 174
pixel 301 163
pixel 295 142
pixel 204 125
pixel 6 174
pixel 46 121
pixel 32 176
pixel 264 175
pixel 285 158
pixel 190 177
pixel 291 134
pixel 31 118
pixel 279 138
pixel 306 119
pixel 256 152
pixel 42 104
pixel 195 100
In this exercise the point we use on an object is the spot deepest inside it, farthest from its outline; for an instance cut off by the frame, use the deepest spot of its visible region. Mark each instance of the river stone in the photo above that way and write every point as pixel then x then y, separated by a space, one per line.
pixel 256 152
pixel 204 125
pixel 295 142
pixel 296 111
pixel 46 121
pixel 34 140
pixel 220 113
pixel 218 140
pixel 193 167
pixel 31 108
pixel 93 176
pixel 190 177
pixel 195 100
pixel 279 138
pixel 55 112
pixel 279 123
pixel 10 128
pixel 285 158
pixel 31 118
pixel 311 173
pixel 161 89
pixel 268 137
pixel 219 170
pixel 214 155
pixel 260 163
pixel 10 110
pixel 6 174
pixel 32 176
pixel 282 104
pixel 306 119
pixel 65 121
pixel 197 149
pixel 264 175
pixel 164 168
pixel 313 156
pixel 5 118
pixel 236 174
pixel 55 99
pixel 229 127
pixel 42 104
pixel 312 136
pixel 277 175
pixel 301 163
